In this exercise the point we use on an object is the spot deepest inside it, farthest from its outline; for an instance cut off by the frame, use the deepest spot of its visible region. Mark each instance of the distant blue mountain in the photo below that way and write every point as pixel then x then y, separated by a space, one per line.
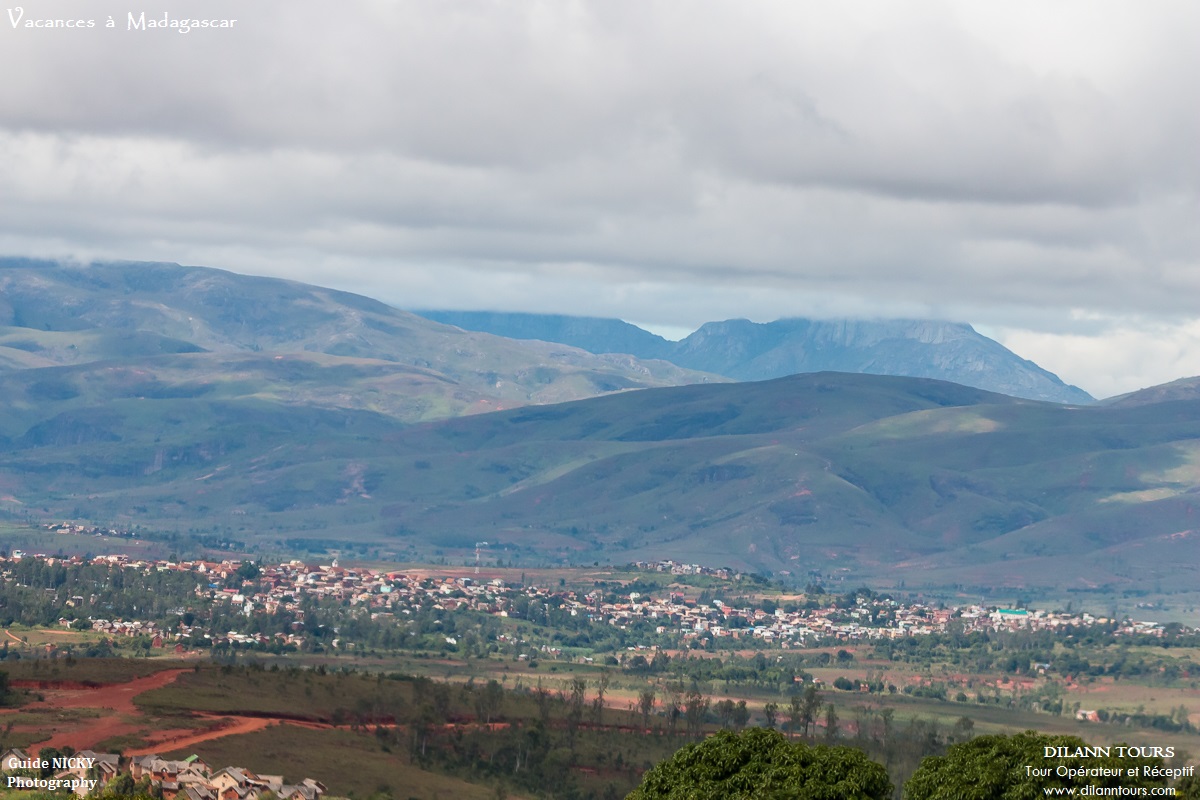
pixel 750 351
pixel 593 334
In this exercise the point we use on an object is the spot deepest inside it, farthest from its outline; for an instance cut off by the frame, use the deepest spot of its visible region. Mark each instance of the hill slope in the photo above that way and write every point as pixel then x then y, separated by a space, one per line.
pixel 1182 389
pixel 54 315
pixel 903 478
pixel 194 402
pixel 594 334
pixel 750 351
pixel 865 476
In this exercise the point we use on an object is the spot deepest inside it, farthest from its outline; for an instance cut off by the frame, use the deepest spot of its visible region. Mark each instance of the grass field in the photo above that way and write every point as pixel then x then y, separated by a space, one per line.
pixel 41 637
pixel 290 693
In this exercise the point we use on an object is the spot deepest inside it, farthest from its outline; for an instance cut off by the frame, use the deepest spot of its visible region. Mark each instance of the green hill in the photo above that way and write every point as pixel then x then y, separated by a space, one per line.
pixel 63 315
pixel 210 431
pixel 872 477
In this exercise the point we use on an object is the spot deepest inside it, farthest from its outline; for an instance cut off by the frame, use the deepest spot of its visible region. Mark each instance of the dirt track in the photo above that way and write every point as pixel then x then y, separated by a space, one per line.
pixel 182 739
pixel 121 717
pixel 119 714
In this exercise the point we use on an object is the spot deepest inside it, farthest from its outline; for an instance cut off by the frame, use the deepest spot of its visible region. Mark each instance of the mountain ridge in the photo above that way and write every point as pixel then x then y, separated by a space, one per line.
pixel 53 314
pixel 747 351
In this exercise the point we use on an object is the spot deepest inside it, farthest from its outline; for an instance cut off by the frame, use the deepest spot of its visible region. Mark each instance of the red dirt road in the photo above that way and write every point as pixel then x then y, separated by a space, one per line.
pixel 119 716
pixel 177 739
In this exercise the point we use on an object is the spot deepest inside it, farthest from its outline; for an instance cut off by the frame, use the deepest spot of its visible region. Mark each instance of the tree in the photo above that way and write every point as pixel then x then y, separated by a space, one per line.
pixel 741 715
pixel 598 704
pixel 809 707
pixel 488 701
pixel 541 697
pixel 771 712
pixel 831 722
pixel 795 714
pixel 964 729
pixel 724 710
pixel 248 571
pixel 1188 788
pixel 1015 768
pixel 674 711
pixel 695 709
pixel 887 716
pixel 760 764
pixel 575 709
pixel 120 786
pixel 645 706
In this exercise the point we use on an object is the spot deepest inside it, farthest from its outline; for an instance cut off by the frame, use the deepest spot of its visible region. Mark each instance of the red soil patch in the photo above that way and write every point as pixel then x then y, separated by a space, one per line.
pixel 116 697
pixel 87 734
pixel 177 740
pixel 121 717
pixel 124 718
pixel 115 700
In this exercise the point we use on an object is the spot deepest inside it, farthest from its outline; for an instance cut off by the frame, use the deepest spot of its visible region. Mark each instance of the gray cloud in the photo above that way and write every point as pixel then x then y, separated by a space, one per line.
pixel 1030 167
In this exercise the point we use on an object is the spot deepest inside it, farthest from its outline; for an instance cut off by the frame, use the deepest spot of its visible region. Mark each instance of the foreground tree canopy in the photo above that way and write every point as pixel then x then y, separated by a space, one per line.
pixel 1015 768
pixel 762 765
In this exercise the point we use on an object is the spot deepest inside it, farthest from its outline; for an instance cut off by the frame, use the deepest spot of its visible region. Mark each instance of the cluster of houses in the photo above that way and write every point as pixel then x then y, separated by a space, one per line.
pixel 189 779
pixel 88 530
pixel 127 628
pixel 672 615
pixel 675 568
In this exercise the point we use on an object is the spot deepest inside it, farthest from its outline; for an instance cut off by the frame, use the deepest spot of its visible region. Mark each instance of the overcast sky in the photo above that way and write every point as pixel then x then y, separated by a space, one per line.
pixel 1032 168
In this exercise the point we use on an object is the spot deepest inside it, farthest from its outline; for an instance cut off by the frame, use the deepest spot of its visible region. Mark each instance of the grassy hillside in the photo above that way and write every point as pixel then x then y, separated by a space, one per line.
pixel 201 406
pixel 132 315
pixel 859 476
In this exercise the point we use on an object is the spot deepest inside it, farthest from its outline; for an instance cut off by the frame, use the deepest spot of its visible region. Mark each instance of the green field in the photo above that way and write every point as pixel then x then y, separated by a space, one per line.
pixel 290 692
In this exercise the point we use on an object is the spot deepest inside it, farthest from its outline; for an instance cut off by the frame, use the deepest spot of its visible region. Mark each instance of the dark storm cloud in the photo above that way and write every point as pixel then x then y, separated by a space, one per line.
pixel 1031 165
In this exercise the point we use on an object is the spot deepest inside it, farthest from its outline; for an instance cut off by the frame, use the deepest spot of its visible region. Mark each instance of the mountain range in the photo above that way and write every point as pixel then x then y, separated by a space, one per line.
pixel 750 351
pixel 219 332
pixel 191 402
